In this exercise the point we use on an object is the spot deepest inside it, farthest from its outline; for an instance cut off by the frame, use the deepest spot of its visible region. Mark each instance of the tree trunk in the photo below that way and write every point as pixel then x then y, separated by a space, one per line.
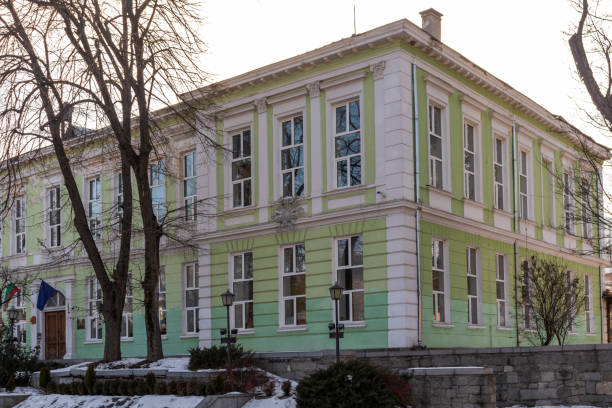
pixel 112 310
pixel 151 300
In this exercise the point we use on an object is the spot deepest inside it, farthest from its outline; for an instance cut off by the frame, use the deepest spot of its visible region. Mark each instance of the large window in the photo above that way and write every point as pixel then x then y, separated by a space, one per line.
pixel 242 286
pixel 94 207
pixel 498 173
pixel 436 169
pixel 349 274
pixel 294 285
pixel 548 192
pixel 586 209
pixel 469 162
pixel 20 225
pixel 192 299
pixel 54 217
pixel 500 289
pixel 94 303
pixel 241 169
pixel 472 285
pixel 588 304
pixel 438 280
pixel 347 143
pixel 568 205
pixel 19 330
pixel 162 300
pixel 127 320
pixel 190 185
pixel 158 190
pixel 292 157
pixel 523 196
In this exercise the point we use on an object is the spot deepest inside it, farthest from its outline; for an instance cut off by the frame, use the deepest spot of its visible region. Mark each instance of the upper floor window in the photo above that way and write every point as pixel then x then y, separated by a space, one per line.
pixel 349 274
pixel 585 207
pixel 500 289
pixel 292 157
pixel 523 197
pixel 498 170
pixel 190 185
pixel 347 144
pixel 20 225
pixel 548 192
pixel 241 169
pixel 158 190
pixel 294 285
pixel 94 207
pixel 469 162
pixel 54 216
pixel 568 204
pixel 436 169
pixel 127 320
pixel 473 282
pixel 94 302
pixel 192 299
pixel 438 278
pixel 162 300
pixel 241 275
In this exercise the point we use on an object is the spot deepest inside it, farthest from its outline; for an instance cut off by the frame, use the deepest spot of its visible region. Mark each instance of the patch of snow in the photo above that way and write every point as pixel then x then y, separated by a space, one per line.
pixel 277 400
pixel 124 363
pixel 22 391
pixel 555 406
pixel 172 364
pixel 66 369
pixel 74 401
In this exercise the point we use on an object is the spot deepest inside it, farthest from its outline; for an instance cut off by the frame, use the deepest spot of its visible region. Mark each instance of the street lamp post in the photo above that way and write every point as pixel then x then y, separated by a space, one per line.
pixel 335 292
pixel 228 299
pixel 12 316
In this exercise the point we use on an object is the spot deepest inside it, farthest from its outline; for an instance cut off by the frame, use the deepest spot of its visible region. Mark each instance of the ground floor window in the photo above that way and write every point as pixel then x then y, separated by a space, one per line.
pixel 127 320
pixel 192 299
pixel 94 302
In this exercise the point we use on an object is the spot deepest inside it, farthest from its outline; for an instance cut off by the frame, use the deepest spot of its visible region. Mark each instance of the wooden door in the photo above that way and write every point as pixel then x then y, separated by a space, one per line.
pixel 55 335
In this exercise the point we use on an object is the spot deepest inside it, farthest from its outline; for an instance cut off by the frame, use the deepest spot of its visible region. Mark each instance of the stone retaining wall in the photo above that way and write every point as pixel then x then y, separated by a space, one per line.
pixel 552 375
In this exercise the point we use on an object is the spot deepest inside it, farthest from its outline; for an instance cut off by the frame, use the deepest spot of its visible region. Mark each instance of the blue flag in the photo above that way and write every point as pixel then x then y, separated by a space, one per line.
pixel 44 294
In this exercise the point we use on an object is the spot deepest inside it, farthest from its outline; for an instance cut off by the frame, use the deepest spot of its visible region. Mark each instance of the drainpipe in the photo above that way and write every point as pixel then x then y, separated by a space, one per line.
pixel 516 293
pixel 516 230
pixel 417 199
pixel 601 303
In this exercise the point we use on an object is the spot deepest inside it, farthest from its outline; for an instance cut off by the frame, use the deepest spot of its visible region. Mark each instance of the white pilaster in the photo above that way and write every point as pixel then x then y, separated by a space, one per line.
pixel 261 160
pixel 314 94
pixel 205 334
pixel 69 320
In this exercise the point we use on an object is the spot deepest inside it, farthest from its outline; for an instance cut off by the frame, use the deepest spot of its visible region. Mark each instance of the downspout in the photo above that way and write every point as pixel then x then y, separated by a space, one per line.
pixel 516 230
pixel 516 293
pixel 601 303
pixel 417 199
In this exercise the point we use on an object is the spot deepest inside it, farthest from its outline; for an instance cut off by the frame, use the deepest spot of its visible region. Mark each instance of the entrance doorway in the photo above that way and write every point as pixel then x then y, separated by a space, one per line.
pixel 55 335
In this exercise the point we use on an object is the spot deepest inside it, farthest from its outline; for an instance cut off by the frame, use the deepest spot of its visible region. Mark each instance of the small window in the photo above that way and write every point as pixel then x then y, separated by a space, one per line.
pixel 472 285
pixel 292 156
pixel 436 176
pixel 192 299
pixel 349 274
pixel 438 264
pixel 190 185
pixel 294 285
pixel 523 195
pixel 20 225
pixel 158 190
pixel 498 170
pixel 94 207
pixel 55 218
pixel 162 300
pixel 500 289
pixel 347 144
pixel 242 285
pixel 127 320
pixel 241 169
pixel 469 162
pixel 94 303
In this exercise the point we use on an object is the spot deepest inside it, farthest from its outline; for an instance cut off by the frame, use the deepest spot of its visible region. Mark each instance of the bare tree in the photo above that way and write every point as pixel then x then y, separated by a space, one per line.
pixel 551 299
pixel 69 65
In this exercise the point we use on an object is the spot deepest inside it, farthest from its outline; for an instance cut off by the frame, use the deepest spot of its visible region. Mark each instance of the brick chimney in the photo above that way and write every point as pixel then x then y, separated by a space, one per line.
pixel 432 23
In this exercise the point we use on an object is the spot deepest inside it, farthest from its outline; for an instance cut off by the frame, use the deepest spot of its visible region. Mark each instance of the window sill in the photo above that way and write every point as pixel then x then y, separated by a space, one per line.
pixel 573 333
pixel 505 328
pixel 474 203
pixel 503 212
pixel 127 340
pixel 353 325
pixel 93 342
pixel 443 325
pixel 246 332
pixel 188 336
pixel 237 210
pixel 591 334
pixel 443 192
pixel 343 190
pixel 476 327
pixel 528 221
pixel 164 337
pixel 289 329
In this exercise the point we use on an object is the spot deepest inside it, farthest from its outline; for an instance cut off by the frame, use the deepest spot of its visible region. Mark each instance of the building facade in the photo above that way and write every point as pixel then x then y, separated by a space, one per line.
pixel 385 161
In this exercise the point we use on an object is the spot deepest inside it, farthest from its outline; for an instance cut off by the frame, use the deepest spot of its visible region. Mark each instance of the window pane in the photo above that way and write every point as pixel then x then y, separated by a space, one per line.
pixel 437 120
pixel 355 170
pixel 343 252
pixel 358 306
pixel 471 286
pixel 248 265
pixel 354 116
pixel 344 305
pixel 300 258
pixel 249 315
pixel 246 143
pixel 190 187
pixel 341 170
pixel 236 146
pixel 474 310
pixel 469 161
pixel 241 169
pixel 437 254
pixel 502 313
pixel 292 157
pixel 348 144
pixel 435 146
pixel 247 193
pixel 238 315
pixel 500 290
pixel 356 250
pixel 191 298
pixel 289 312
pixel 243 290
pixel 301 310
pixel 190 321
pixel 441 307
pixel 351 278
pixel 286 126
pixel 438 281
pixel 299 182
pixel 341 119
pixel 294 285
pixel 237 194
pixel 287 185
pixel 298 130
pixel 238 267
pixel 288 256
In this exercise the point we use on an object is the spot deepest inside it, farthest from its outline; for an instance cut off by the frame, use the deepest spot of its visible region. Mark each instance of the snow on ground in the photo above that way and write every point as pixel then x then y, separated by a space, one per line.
pixel 277 400
pixel 556 406
pixel 124 363
pixel 65 369
pixel 172 364
pixel 74 401
pixel 21 391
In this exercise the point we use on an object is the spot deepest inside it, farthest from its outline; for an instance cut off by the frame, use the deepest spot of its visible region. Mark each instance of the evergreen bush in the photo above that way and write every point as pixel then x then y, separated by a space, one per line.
pixel 90 379
pixel 181 388
pixel 150 380
pixel 286 387
pixel 353 384
pixel 82 388
pixel 216 385
pixel 141 387
pixel 216 357
pixel 268 388
pixel 45 377
pixel 15 358
pixel 10 384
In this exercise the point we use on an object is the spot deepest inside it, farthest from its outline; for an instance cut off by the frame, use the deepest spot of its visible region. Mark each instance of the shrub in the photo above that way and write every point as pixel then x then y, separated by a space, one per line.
pixel 10 384
pixel 216 385
pixel 61 388
pixel 193 388
pixel 351 384
pixel 286 387
pixel 15 358
pixel 99 388
pixel 45 377
pixel 74 388
pixel 216 357
pixel 268 388
pixel 171 388
pixel 150 380
pixel 90 379
pixel 160 388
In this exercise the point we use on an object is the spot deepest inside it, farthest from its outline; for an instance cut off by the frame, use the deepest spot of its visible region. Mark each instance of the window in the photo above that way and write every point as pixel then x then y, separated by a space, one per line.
pixel 347 142
pixel 500 289
pixel 19 330
pixel 548 192
pixel 523 197
pixel 94 207
pixel 192 299
pixel 469 161
pixel 158 190
pixel 498 169
pixel 94 319
pixel 161 303
pixel 127 321
pixel 242 286
pixel 55 222
pixel 294 285
pixel 588 304
pixel 472 285
pixel 241 169
pixel 349 274
pixel 120 201
pixel 190 185
pixel 586 209
pixel 292 157
pixel 435 147
pixel 568 208
pixel 438 278
pixel 20 225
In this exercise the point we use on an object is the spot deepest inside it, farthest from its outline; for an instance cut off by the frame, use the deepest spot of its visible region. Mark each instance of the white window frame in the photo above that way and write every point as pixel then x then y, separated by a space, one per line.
pixel 293 298
pixel 19 330
pixel 93 314
pixel 127 318
pixel 523 187
pixel 191 286
pixel 162 301
pixel 19 225
pixel 499 163
pixel 349 294
pixel 474 152
pixel 190 176
pixel 291 172
pixel 242 182
pixel 436 180
pixel 502 312
pixel 94 199
pixel 348 158
pixel 438 317
pixel 473 271
pixel 588 305
pixel 157 179
pixel 585 210
pixel 568 205
pixel 54 205
pixel 241 303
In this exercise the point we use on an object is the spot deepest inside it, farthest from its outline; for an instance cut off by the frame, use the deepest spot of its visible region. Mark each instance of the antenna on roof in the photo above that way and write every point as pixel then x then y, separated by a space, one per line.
pixel 354 20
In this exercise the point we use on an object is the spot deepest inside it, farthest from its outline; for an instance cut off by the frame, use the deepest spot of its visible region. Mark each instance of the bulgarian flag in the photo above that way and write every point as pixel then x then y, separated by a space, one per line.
pixel 9 293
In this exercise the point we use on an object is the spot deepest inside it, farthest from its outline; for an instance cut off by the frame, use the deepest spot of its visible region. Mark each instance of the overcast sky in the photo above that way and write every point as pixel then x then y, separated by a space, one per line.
pixel 522 42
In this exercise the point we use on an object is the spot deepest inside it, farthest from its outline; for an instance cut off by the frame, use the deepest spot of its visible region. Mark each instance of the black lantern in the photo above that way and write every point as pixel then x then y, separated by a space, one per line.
pixel 335 292
pixel 227 299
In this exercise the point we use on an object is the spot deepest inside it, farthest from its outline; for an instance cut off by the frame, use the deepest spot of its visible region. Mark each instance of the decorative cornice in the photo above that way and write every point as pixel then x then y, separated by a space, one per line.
pixel 314 89
pixel 378 70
